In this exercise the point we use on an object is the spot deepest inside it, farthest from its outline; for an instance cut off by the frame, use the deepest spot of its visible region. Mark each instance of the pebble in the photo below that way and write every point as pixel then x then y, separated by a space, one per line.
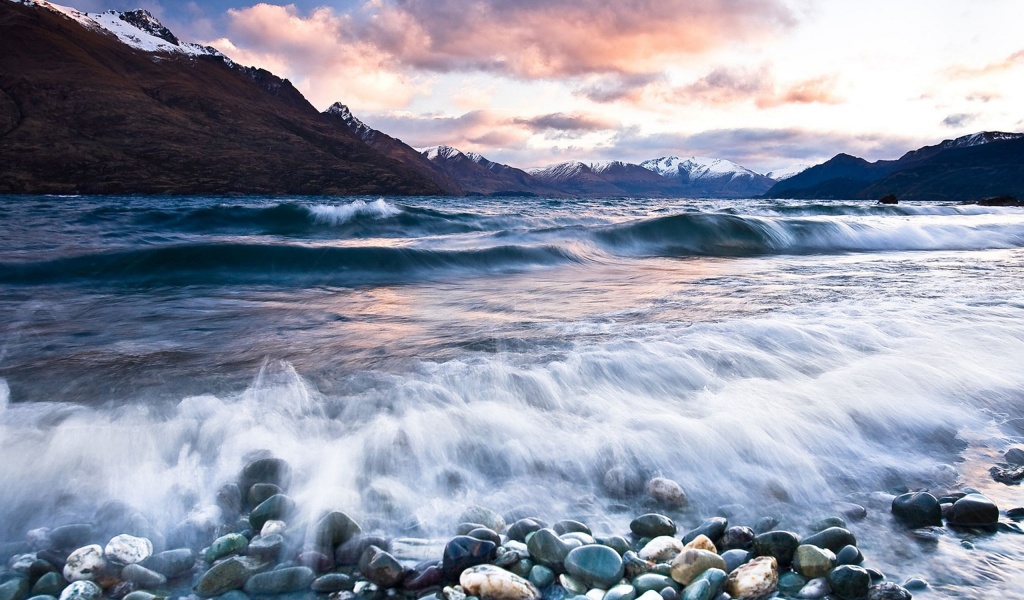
pixel 661 549
pixel 541 576
pixel 172 563
pixel 917 509
pixel 849 555
pixel 691 563
pixel 701 542
pixel 849 582
pixel 523 527
pixel 758 578
pixel 707 586
pixel 265 470
pixel 888 591
pixel 272 526
pixel 276 508
pixel 84 563
pixel 146 578
pixel 572 585
pixel 15 589
pixel 128 549
pixel 50 584
pixel 1015 456
pixel 833 538
pixel 488 582
pixel 484 516
pixel 813 562
pixel 596 566
pixel 652 581
pixel 652 525
pixel 736 538
pixel 734 558
pixel 280 581
pixel 815 588
pixel 81 590
pixel 547 548
pixel 335 529
pixel 229 574
pixel 666 492
pixel 68 537
pixel 790 583
pixel 332 582
pixel 778 544
pixel 973 510
pixel 259 492
pixel 379 567
pixel 462 552
pixel 570 526
pixel 232 543
pixel 712 528
pixel 266 548
pixel 621 592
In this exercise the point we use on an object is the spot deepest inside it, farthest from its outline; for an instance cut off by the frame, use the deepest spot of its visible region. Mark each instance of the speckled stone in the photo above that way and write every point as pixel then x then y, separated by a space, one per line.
pixel 488 582
pixel 755 579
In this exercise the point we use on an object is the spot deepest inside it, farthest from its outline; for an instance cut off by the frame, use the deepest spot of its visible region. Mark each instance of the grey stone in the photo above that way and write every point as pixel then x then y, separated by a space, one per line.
pixel 652 525
pixel 332 582
pixel 276 507
pixel 144 577
pixel 229 574
pixel 172 563
pixel 50 584
pixel 280 581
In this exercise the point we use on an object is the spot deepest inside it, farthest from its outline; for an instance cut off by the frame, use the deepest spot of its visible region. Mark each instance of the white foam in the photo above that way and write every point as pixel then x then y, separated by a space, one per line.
pixel 336 215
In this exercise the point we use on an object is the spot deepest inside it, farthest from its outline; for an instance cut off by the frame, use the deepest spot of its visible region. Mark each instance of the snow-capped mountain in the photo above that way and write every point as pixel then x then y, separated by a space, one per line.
pixel 138 29
pixel 704 176
pixel 476 174
pixel 786 172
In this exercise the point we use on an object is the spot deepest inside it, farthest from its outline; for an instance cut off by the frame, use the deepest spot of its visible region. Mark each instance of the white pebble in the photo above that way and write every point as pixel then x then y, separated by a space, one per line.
pixel 128 549
pixel 271 527
pixel 83 563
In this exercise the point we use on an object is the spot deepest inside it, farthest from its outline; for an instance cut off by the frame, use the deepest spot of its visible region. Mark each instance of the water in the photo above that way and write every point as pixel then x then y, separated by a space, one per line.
pixel 411 357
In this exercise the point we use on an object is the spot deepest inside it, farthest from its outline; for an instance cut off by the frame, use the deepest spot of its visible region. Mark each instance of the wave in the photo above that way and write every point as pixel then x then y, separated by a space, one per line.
pixel 227 263
pixel 717 234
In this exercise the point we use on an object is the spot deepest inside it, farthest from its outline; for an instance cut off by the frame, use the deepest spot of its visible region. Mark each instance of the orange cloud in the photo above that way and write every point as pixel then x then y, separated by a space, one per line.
pixel 1010 62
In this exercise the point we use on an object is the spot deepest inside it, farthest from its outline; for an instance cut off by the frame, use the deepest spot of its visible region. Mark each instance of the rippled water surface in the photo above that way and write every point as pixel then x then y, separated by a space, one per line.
pixel 410 357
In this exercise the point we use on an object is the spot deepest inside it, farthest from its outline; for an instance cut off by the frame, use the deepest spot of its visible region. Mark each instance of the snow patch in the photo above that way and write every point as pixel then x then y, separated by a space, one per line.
pixel 697 167
pixel 786 172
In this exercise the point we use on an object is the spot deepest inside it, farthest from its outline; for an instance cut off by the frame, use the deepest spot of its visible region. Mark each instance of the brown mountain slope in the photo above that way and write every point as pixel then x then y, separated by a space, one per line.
pixel 80 112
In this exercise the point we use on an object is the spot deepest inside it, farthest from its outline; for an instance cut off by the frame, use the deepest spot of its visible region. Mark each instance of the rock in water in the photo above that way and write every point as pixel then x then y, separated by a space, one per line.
pixel 280 581
pixel 128 549
pixel 1015 456
pixel 548 549
pixel 813 562
pixel 81 590
pixel 265 470
pixel 707 586
pixel 15 589
pixel 462 552
pixel 973 510
pixel 144 577
pixel 652 525
pixel 701 542
pixel 661 549
pixel 50 584
pixel 232 543
pixel 833 538
pixel 380 567
pixel 523 527
pixel 736 538
pixel 849 582
pixel 917 509
pixel 691 563
pixel 488 582
pixel 888 591
pixel 335 529
pixel 712 528
pixel 666 492
pixel 1009 476
pixel 596 566
pixel 172 563
pixel 483 516
pixel 230 574
pixel 84 563
pixel 757 578
pixel 778 544
pixel 276 508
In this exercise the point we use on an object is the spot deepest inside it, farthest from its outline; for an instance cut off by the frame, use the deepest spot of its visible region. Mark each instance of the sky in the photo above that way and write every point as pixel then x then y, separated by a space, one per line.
pixel 769 84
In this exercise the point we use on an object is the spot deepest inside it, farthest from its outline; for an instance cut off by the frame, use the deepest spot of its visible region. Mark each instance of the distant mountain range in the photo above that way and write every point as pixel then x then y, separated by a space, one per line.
pixel 114 102
pixel 967 168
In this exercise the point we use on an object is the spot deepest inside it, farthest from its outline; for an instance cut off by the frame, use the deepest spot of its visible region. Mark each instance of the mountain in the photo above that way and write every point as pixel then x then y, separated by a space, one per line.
pixel 395 149
pixel 115 103
pixel 786 172
pixel 712 177
pixel 478 175
pixel 966 168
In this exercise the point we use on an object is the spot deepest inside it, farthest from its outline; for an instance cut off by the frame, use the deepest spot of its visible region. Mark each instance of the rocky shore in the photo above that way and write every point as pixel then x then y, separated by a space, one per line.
pixel 263 549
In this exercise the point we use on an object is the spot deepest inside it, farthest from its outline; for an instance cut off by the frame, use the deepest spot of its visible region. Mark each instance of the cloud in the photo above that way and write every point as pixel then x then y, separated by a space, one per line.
pixel 959 120
pixel 564 122
pixel 532 39
pixel 1012 61
pixel 473 131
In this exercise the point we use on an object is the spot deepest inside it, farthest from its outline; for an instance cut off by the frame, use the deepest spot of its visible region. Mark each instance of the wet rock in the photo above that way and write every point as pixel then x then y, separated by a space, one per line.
pixel 973 510
pixel 666 492
pixel 15 589
pixel 276 508
pixel 661 549
pixel 265 470
pixel 652 525
pixel 431 576
pixel 349 553
pixel 570 526
pixel 596 566
pixel 266 549
pixel 778 544
pixel 229 574
pixel 142 576
pixel 849 555
pixel 260 492
pixel 523 527
pixel 917 509
pixel 229 500
pixel 1009 475
pixel 280 581
pixel 332 582
pixel 691 563
pixel 380 567
pixel 335 529
pixel 172 563
pixel 541 576
pixel 849 582
pixel 50 584
pixel 548 549
pixel 272 527
pixel 620 482
pixel 791 583
pixel 712 528
pixel 462 552
pixel 737 537
pixel 833 538
pixel 128 549
pixel 485 534
pixel 81 590
pixel 916 584
pixel 318 561
pixel 636 566
pixel 756 579
pixel 735 557
pixel 813 562
pixel 621 592
pixel 84 563
pixel 701 542
pixel 572 585
pixel 69 537
pixel 652 581
pixel 707 586
pixel 615 542
pixel 144 595
pixel 815 588
pixel 854 512
pixel 888 591
pixel 1015 456
pixel 484 516
pixel 765 524
pixel 232 543
pixel 488 582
